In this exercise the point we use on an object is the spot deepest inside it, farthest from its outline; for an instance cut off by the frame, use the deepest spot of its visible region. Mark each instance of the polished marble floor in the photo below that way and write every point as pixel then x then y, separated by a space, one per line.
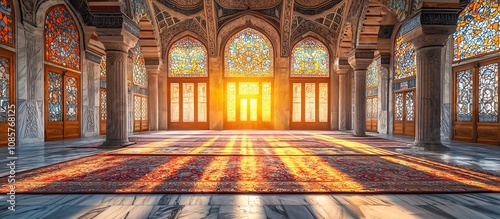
pixel 474 205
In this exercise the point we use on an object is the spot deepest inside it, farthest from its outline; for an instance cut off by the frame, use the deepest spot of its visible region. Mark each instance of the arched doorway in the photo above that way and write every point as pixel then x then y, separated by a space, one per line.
pixel 188 85
pixel 62 75
pixel 310 82
pixel 248 81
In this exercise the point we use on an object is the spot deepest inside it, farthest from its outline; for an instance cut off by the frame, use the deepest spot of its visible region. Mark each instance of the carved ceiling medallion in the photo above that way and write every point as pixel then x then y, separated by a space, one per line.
pixel 311 3
pixel 244 4
pixel 187 3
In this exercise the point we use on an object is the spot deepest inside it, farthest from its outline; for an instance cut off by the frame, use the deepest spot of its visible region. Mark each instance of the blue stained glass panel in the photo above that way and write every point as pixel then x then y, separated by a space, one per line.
pixel 71 99
pixel 55 97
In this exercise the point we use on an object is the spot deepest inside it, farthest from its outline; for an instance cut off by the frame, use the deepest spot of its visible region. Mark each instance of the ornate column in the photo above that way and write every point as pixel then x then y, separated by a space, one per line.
pixel 384 61
pixel 162 101
pixel 428 32
pixel 153 72
pixel 341 69
pixel 117 42
pixel 360 59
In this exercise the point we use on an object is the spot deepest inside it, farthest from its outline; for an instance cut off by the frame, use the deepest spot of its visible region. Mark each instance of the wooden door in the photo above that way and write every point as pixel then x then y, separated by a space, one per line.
pixel 310 104
pixel 372 114
pixel 188 106
pixel 141 113
pixel 404 113
pixel 7 96
pixel 62 105
pixel 475 103
pixel 248 104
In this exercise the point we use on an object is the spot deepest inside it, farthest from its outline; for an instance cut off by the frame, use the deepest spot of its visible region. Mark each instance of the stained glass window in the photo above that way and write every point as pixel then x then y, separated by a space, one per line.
pixel 55 97
pixel 5 95
pixel 71 99
pixel 248 54
pixel 488 93
pixel 310 59
pixel 410 115
pixel 372 75
pixel 188 102
pixel 137 108
pixel 477 29
pixel 202 102
pixel 103 105
pixel 297 102
pixel 6 23
pixel 144 109
pixel 248 88
pixel 464 96
pixel 62 41
pixel 140 76
pixel 187 58
pixel 174 102
pixel 323 102
pixel 399 107
pixel 266 101
pixel 369 109
pixel 405 59
pixel 102 67
pixel 310 101
pixel 231 101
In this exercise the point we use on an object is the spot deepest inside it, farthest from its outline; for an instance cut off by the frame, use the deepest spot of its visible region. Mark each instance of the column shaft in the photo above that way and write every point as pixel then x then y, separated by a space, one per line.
pixel 428 110
pixel 153 102
pixel 343 102
pixel 360 103
pixel 162 103
pixel 116 82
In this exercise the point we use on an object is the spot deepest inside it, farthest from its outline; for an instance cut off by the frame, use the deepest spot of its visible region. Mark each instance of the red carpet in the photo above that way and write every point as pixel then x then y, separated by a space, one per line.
pixel 254 165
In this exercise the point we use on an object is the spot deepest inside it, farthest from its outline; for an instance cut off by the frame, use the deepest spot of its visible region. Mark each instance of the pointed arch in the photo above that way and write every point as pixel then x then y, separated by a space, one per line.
pixel 62 38
pixel 310 58
pixel 188 57
pixel 248 53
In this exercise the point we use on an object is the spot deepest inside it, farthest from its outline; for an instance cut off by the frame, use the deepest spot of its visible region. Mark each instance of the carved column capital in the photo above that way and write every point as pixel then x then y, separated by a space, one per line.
pixel 430 27
pixel 383 61
pixel 341 66
pixel 116 39
pixel 360 59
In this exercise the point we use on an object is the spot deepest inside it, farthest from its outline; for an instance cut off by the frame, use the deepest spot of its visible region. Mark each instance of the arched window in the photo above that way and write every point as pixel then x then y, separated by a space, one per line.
pixel 405 70
pixel 187 58
pixel 62 88
pixel 188 80
pixel 477 29
pixel 310 59
pixel 405 59
pixel 140 79
pixel 139 74
pixel 248 68
pixel 310 97
pixel 62 40
pixel 248 54
pixel 7 24
pixel 372 96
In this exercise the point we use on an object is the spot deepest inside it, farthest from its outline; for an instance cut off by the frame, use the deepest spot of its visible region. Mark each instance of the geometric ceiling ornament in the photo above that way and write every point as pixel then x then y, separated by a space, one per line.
pixel 248 4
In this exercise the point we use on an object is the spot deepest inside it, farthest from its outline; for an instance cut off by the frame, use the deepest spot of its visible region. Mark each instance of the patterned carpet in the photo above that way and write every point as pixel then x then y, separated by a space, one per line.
pixel 308 162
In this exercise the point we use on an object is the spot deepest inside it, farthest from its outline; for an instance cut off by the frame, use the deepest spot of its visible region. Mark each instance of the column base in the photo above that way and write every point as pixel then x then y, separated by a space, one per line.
pixel 117 143
pixel 360 135
pixel 429 146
